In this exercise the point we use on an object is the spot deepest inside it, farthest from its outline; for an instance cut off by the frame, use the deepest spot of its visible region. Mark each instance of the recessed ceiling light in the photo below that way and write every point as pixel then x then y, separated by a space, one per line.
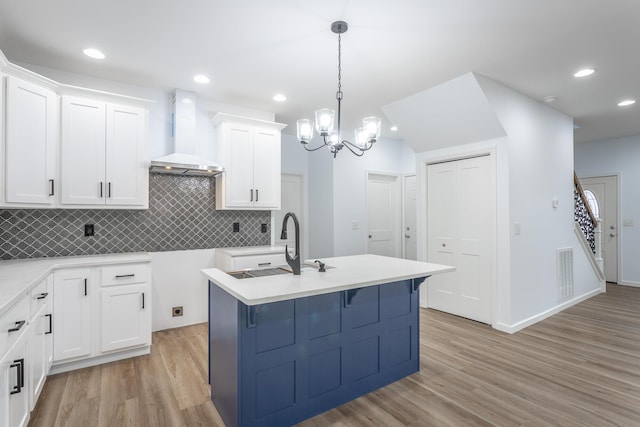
pixel 626 102
pixel 394 128
pixel 585 72
pixel 549 99
pixel 279 97
pixel 93 53
pixel 201 78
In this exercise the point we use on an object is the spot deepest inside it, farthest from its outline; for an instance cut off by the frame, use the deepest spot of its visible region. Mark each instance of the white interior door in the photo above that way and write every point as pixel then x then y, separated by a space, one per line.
pixel 291 201
pixel 410 241
pixel 605 188
pixel 383 214
pixel 459 224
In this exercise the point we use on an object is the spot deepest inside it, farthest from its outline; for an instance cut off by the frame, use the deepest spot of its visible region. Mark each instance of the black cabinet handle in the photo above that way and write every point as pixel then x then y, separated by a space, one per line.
pixel 19 364
pixel 256 194
pixel 51 187
pixel 18 326
pixel 85 287
pixel 122 276
pixel 50 324
pixel 101 189
pixel 43 295
pixel 109 191
pixel 143 300
pixel 251 195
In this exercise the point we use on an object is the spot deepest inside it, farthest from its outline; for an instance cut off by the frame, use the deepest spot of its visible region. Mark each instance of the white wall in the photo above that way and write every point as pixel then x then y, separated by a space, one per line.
pixel 349 188
pixel 177 281
pixel 618 156
pixel 540 150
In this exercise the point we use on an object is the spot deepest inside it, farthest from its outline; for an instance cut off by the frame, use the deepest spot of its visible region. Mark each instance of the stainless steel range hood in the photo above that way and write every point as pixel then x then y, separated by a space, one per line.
pixel 184 160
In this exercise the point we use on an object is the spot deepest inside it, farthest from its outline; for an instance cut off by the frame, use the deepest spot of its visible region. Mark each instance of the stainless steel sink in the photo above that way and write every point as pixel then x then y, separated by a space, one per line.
pixel 261 272
pixel 274 271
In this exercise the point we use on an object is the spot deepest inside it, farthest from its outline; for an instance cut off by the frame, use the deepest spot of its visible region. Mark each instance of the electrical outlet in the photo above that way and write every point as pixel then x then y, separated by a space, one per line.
pixel 236 227
pixel 263 228
pixel 89 230
pixel 177 311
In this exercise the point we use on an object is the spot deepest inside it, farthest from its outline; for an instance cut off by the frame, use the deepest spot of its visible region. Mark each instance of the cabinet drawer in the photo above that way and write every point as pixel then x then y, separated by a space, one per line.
pixel 15 320
pixel 39 296
pixel 258 261
pixel 124 274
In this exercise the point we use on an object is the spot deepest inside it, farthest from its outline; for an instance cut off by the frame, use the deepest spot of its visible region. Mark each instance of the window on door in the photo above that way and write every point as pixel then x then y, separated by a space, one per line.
pixel 593 203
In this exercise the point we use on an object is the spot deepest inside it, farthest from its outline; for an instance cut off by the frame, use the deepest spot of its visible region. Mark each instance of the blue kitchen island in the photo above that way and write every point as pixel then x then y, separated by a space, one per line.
pixel 285 348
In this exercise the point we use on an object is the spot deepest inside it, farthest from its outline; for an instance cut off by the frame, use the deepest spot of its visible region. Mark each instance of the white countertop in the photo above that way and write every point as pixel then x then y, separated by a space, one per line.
pixel 350 272
pixel 252 250
pixel 17 277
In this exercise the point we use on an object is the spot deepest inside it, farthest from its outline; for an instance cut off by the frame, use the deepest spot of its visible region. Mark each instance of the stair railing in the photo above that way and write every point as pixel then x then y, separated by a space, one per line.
pixel 585 218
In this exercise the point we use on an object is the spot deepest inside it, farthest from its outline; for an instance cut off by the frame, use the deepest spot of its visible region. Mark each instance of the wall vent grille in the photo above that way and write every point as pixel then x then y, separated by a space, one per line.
pixel 564 268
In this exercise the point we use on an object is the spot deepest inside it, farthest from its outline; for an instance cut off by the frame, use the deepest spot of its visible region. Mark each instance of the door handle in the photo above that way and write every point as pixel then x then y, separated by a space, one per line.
pixel 19 364
pixel 109 190
pixel 370 236
pixel 51 187
pixel 101 189
pixel 85 287
pixel 42 295
pixel 407 236
pixel 251 195
pixel 256 194
pixel 17 326
pixel 143 300
pixel 612 235
pixel 50 324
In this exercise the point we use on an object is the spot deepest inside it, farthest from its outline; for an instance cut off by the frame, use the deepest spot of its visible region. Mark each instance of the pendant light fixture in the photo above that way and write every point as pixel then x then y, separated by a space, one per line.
pixel 331 135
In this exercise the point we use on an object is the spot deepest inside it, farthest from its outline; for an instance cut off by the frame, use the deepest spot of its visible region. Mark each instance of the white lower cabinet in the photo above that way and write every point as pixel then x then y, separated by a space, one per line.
pixel 125 320
pixel 14 362
pixel 100 312
pixel 73 295
pixel 40 339
pixel 14 401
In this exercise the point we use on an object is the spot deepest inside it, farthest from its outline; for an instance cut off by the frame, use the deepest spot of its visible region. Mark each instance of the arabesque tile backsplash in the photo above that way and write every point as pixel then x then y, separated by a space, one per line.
pixel 181 216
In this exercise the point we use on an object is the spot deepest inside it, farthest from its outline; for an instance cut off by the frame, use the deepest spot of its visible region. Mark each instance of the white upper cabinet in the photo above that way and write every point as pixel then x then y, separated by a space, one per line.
pixel 103 154
pixel 249 150
pixel 30 145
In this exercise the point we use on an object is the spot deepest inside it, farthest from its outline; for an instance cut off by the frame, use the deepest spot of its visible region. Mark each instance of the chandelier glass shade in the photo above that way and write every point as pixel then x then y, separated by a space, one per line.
pixel 327 123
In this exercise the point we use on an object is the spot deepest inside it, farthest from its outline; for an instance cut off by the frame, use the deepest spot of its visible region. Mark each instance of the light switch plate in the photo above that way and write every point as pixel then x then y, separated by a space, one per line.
pixel 517 228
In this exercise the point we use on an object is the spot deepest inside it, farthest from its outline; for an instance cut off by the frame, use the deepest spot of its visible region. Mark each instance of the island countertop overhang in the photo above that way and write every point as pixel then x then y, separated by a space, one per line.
pixel 349 272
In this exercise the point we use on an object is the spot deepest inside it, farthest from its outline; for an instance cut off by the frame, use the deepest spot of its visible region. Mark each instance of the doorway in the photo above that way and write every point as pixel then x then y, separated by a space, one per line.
pixel 291 201
pixel 605 191
pixel 383 214
pixel 410 225
pixel 460 222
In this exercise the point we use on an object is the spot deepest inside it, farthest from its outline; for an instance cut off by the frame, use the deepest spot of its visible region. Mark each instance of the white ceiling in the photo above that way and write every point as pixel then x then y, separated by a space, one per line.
pixel 253 49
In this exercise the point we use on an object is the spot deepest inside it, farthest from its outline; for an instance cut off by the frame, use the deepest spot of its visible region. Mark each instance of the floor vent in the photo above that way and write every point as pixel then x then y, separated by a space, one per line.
pixel 564 267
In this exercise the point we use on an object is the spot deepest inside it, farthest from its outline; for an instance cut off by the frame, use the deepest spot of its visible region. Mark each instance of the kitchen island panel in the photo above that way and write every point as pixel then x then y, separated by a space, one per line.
pixel 344 344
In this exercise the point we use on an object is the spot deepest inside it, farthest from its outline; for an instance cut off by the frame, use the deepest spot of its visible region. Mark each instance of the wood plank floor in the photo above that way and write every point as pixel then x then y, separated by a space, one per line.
pixel 579 367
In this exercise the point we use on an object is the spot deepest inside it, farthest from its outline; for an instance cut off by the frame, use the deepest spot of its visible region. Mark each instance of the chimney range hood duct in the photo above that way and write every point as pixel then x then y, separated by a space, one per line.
pixel 184 160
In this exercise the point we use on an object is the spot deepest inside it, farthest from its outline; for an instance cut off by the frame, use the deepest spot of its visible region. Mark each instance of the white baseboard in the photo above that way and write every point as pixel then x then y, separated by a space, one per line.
pixel 60 367
pixel 511 329
pixel 628 283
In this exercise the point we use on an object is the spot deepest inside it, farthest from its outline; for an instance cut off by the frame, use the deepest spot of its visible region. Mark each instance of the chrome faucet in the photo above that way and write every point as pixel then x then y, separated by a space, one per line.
pixel 294 262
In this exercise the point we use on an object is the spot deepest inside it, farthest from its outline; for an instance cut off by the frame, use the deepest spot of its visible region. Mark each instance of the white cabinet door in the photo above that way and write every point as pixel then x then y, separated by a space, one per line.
pixel 14 399
pixel 83 152
pixel 30 145
pixel 126 316
pixel 37 364
pixel 72 299
pixel 239 175
pixel 266 169
pixel 126 167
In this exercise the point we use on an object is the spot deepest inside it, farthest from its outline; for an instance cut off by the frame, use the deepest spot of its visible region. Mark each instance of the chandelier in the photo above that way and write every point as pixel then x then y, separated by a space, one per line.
pixel 331 135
